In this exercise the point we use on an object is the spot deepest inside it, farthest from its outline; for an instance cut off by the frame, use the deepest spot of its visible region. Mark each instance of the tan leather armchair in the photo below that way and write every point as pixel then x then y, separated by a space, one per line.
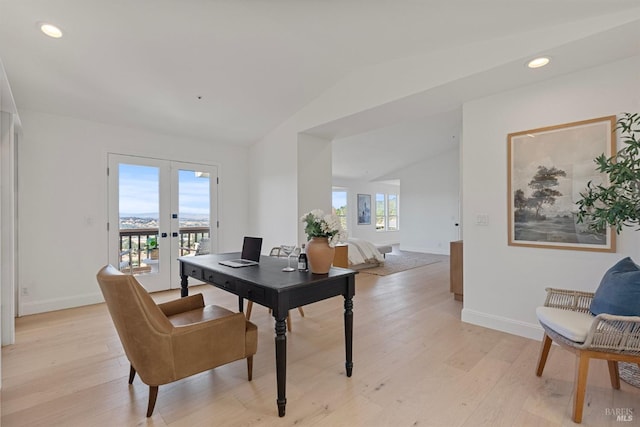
pixel 171 341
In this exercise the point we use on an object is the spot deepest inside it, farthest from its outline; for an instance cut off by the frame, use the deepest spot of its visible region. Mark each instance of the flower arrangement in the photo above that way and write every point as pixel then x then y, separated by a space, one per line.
pixel 317 224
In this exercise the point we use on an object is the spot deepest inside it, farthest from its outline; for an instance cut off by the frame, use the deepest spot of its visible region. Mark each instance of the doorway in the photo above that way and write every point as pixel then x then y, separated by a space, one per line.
pixel 160 210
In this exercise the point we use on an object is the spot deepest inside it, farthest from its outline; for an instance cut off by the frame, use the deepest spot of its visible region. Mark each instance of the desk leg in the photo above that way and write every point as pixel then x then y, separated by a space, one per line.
pixel 348 334
pixel 281 363
pixel 184 288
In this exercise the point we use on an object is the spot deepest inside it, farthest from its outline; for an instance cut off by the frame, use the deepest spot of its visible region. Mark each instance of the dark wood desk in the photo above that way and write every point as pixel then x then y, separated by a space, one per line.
pixel 267 285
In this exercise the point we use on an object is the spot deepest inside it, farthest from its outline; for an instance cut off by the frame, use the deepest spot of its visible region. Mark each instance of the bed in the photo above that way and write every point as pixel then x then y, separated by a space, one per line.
pixel 363 254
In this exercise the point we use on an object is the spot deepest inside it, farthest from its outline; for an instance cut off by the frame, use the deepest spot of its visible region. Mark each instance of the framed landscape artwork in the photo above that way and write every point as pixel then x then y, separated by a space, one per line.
pixel 364 209
pixel 548 169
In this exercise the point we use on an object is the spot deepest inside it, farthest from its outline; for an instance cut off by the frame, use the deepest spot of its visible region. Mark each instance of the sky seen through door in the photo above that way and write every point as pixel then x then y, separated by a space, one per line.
pixel 139 194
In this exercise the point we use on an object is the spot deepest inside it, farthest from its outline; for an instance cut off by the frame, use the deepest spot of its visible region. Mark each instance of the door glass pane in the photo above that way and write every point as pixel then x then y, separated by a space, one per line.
pixel 139 207
pixel 194 214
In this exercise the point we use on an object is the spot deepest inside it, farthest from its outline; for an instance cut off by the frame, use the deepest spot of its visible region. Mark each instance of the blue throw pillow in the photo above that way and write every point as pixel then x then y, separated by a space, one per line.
pixel 619 290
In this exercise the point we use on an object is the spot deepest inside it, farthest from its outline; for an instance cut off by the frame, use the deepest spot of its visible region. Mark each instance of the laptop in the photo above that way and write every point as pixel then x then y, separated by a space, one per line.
pixel 251 248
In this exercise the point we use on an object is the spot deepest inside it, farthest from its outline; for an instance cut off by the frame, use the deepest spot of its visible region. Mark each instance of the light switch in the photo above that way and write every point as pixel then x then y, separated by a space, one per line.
pixel 482 219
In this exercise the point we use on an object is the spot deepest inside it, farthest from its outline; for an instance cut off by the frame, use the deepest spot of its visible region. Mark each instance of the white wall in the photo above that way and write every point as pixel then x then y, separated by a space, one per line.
pixel 369 232
pixel 8 227
pixel 504 284
pixel 9 128
pixel 430 204
pixel 273 193
pixel 384 94
pixel 63 201
pixel 62 184
pixel 314 184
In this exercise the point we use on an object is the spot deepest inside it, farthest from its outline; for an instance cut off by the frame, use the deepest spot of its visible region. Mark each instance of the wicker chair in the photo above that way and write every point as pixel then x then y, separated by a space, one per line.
pixel 608 337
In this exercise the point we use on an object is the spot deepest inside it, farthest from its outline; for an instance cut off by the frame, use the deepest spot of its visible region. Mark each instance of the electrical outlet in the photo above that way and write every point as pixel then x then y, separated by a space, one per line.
pixel 25 291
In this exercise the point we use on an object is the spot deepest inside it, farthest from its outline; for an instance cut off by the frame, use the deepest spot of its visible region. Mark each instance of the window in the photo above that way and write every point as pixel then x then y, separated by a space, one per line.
pixel 392 212
pixel 381 216
pixel 387 217
pixel 339 204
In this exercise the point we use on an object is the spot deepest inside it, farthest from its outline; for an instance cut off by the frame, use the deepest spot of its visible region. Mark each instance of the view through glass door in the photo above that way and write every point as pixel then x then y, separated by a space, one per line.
pixel 159 210
pixel 194 203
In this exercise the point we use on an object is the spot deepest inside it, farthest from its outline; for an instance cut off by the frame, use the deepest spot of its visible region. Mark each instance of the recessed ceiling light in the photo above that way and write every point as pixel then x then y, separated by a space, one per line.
pixel 538 62
pixel 50 30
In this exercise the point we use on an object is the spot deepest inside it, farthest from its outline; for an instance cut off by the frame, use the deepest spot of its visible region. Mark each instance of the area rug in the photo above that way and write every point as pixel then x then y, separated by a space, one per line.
pixel 403 260
pixel 629 373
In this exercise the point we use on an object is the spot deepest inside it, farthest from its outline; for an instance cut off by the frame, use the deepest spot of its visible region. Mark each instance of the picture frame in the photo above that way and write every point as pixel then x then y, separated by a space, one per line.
pixel 548 168
pixel 364 209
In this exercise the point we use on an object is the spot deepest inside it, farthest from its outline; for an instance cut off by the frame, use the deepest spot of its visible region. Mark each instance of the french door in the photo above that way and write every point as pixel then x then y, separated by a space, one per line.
pixel 159 210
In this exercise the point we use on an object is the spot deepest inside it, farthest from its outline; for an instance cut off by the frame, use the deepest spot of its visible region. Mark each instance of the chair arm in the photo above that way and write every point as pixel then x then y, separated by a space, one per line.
pixel 205 345
pixel 568 299
pixel 181 305
pixel 620 334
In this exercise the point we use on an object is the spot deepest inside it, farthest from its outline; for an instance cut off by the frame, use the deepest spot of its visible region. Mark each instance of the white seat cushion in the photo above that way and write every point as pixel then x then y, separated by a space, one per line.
pixel 570 324
pixel 384 249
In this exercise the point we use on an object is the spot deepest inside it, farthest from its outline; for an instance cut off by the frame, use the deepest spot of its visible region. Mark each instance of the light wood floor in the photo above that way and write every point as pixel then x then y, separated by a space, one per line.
pixel 415 364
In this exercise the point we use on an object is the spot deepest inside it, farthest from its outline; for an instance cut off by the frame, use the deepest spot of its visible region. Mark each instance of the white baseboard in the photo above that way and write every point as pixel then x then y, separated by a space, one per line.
pixel 515 327
pixel 35 307
pixel 53 304
pixel 438 251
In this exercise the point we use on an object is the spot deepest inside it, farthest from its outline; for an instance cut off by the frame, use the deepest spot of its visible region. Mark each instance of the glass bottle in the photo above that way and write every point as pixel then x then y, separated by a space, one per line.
pixel 303 263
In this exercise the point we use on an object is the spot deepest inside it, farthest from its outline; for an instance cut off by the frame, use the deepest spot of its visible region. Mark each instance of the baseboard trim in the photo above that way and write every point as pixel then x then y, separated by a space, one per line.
pixel 503 324
pixel 53 304
pixel 437 251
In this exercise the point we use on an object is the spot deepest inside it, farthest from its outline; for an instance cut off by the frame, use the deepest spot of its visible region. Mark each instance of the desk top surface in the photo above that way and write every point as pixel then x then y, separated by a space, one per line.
pixel 267 273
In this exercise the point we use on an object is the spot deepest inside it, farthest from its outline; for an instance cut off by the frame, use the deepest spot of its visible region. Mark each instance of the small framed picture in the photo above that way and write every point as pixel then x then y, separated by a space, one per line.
pixel 364 209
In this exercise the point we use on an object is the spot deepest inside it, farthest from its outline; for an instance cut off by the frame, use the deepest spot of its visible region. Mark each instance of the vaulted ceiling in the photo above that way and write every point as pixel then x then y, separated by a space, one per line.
pixel 232 70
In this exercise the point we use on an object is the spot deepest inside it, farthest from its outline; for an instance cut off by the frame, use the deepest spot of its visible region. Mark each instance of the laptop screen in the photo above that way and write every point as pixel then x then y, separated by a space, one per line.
pixel 251 248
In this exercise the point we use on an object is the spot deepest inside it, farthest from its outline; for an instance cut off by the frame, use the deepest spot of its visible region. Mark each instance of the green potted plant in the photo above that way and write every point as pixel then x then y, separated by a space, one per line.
pixel 152 247
pixel 617 203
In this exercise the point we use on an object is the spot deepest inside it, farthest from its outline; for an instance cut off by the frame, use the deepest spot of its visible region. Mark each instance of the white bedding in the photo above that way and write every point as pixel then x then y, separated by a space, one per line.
pixel 363 252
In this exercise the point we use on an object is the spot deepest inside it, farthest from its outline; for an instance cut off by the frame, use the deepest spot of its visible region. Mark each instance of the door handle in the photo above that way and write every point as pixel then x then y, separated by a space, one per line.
pixel 174 234
pixel 163 235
